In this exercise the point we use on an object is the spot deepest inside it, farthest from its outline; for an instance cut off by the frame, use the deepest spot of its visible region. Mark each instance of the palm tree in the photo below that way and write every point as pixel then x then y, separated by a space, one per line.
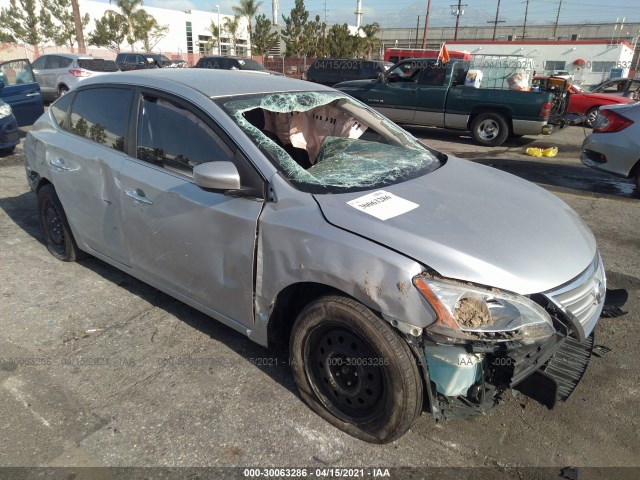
pixel 248 9
pixel 215 36
pixel 369 42
pixel 129 9
pixel 231 25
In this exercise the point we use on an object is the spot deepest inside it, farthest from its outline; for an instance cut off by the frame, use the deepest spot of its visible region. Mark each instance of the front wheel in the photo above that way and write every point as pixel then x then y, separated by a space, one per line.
pixel 354 370
pixel 490 129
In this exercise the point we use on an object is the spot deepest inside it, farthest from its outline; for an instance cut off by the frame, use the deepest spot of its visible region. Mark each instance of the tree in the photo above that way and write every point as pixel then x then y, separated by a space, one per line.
pixel 215 36
pixel 128 10
pixel 369 42
pixel 316 38
pixel 264 39
pixel 97 133
pixel 64 31
pixel 247 9
pixel 231 25
pixel 109 32
pixel 148 30
pixel 293 32
pixel 341 42
pixel 27 23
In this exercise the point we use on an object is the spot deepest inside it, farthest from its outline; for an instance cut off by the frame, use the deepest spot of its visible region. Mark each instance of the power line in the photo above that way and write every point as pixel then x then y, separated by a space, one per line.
pixel 496 21
pixel 555 27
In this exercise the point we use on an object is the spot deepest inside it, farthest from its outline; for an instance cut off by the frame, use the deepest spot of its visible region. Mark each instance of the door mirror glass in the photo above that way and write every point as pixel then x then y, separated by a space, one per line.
pixel 216 176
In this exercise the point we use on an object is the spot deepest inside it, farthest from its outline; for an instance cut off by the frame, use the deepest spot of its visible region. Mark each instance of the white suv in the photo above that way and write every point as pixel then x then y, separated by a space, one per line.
pixel 58 73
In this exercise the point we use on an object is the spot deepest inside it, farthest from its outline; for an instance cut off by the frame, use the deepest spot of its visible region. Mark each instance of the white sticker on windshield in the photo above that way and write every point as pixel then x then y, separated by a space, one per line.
pixel 383 205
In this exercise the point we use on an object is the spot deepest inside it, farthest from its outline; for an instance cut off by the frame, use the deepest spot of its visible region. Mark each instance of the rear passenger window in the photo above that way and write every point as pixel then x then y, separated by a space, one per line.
pixel 60 108
pixel 172 137
pixel 100 114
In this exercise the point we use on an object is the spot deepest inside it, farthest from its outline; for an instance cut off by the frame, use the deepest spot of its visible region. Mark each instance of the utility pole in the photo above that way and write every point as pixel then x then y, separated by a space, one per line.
pixel 496 21
pixel 78 21
pixel 426 23
pixel 417 28
pixel 555 27
pixel 457 10
pixel 524 28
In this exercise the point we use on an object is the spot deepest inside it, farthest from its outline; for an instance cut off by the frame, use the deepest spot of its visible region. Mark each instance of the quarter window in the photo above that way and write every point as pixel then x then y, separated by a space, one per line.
pixel 100 114
pixel 172 137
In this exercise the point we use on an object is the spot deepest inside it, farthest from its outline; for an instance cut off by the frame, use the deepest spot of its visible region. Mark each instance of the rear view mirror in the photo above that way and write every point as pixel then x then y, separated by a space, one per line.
pixel 217 176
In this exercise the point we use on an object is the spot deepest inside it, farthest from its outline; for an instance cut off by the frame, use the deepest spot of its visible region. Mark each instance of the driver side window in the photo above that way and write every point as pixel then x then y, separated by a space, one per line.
pixel 405 72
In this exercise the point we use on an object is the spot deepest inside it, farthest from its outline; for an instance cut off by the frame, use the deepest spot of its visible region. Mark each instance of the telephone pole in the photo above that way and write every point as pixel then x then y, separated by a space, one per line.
pixel 457 10
pixel 496 21
pixel 78 21
pixel 555 27
pixel 524 27
pixel 426 23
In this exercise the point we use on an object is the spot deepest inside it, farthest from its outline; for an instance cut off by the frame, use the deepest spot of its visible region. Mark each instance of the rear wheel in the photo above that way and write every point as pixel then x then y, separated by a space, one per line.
pixel 62 90
pixel 57 233
pixel 490 129
pixel 354 370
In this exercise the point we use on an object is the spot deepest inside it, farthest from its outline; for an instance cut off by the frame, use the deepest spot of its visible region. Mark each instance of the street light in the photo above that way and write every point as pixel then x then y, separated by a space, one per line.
pixel 219 31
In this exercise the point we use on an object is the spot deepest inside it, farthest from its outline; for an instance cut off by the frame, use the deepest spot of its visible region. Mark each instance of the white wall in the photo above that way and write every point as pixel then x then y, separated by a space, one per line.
pixel 591 52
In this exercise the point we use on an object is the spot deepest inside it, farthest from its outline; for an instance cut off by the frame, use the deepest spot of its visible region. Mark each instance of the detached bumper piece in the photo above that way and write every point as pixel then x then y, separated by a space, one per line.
pixel 559 376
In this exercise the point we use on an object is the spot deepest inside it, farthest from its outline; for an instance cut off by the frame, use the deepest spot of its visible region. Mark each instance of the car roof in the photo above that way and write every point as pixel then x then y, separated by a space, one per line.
pixel 210 82
pixel 75 56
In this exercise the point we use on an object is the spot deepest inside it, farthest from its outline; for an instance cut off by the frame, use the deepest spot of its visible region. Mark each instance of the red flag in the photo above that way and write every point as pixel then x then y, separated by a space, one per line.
pixel 444 55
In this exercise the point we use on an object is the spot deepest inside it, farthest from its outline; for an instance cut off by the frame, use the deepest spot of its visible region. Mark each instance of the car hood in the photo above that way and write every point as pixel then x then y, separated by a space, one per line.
pixel 477 224
pixel 606 97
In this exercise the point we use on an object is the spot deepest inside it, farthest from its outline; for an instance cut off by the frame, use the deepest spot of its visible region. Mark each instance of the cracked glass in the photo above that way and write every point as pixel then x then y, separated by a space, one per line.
pixel 326 142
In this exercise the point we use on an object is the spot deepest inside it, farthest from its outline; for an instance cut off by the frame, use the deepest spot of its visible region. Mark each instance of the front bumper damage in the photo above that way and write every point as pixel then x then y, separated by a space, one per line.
pixel 467 379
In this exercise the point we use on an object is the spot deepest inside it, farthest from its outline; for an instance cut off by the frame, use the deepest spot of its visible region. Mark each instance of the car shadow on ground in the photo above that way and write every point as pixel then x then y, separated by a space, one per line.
pixel 22 210
pixel 574 177
pixel 464 138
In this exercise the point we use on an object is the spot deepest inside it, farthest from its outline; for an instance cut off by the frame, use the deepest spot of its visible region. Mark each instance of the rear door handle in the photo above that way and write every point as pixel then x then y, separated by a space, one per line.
pixel 58 163
pixel 34 94
pixel 138 196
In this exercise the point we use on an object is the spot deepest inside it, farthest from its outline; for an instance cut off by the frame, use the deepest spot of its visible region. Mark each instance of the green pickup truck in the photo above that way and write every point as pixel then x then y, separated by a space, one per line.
pixel 428 93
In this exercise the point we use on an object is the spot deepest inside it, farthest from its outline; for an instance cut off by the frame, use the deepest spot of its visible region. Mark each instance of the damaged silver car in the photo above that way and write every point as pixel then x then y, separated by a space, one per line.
pixel 399 278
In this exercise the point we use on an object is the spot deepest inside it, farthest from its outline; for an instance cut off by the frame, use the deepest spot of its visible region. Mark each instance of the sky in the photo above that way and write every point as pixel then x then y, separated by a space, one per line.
pixel 403 13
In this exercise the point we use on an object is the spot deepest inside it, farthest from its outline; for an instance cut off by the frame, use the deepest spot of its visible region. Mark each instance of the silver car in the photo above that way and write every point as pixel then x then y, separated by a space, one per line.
pixel 614 145
pixel 58 73
pixel 397 276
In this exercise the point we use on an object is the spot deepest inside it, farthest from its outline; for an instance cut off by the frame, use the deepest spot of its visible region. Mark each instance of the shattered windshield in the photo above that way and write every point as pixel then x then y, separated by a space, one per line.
pixel 329 142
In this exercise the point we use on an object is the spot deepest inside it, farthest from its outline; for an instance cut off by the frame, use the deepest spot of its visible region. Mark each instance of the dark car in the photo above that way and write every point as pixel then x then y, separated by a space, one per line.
pixel 329 71
pixel 20 91
pixel 230 63
pixel 139 61
pixel 9 135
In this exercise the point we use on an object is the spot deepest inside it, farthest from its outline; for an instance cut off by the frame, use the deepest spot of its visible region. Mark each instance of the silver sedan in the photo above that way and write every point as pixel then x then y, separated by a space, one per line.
pixel 614 145
pixel 397 277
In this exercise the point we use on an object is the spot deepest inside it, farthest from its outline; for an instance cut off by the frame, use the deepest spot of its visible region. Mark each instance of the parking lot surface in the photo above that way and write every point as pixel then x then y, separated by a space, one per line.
pixel 99 369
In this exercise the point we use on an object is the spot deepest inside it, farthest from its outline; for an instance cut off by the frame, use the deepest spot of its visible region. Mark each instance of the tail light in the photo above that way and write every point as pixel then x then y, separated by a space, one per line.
pixel 545 111
pixel 80 73
pixel 610 121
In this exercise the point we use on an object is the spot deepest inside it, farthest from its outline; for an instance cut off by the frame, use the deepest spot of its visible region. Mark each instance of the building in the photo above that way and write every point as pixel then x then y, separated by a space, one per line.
pixel 187 38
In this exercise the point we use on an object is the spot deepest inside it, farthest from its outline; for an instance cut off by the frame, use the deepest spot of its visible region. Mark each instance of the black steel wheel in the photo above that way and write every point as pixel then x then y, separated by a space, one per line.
pixel 354 370
pixel 57 233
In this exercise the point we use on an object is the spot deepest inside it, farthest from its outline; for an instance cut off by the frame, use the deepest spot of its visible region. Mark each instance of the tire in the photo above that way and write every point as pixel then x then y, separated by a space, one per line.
pixel 591 116
pixel 638 180
pixel 490 129
pixel 57 234
pixel 62 90
pixel 354 371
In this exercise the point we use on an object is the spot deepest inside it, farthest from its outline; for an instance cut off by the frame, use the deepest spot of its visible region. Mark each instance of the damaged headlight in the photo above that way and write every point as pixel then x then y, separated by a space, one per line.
pixel 5 110
pixel 469 313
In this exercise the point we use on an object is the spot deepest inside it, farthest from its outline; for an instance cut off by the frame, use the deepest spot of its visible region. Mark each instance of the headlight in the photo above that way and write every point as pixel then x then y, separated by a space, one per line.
pixel 5 110
pixel 468 313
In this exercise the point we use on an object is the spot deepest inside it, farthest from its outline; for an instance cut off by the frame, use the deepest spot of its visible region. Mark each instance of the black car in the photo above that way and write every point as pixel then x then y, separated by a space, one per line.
pixel 230 63
pixel 138 61
pixel 329 71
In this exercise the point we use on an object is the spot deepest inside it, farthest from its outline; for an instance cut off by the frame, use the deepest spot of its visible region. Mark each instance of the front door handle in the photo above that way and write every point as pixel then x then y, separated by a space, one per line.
pixel 34 94
pixel 138 196
pixel 58 163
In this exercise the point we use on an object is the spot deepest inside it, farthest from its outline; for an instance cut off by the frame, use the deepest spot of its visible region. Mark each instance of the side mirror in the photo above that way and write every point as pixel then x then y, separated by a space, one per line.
pixel 1 84
pixel 217 176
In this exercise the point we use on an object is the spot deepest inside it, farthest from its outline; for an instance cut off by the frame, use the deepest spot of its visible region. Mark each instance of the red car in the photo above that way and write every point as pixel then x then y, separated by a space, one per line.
pixel 586 103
